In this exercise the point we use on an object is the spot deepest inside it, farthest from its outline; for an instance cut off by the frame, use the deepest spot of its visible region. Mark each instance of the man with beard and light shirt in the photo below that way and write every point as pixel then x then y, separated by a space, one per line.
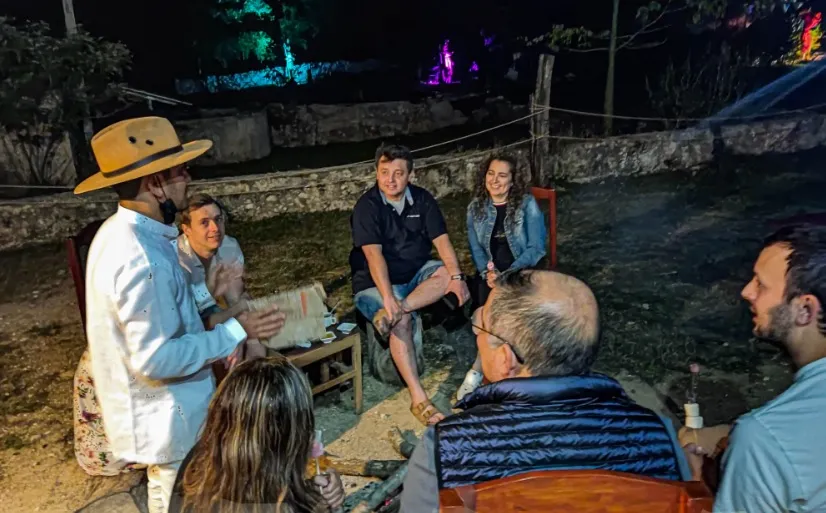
pixel 149 350
pixel 776 455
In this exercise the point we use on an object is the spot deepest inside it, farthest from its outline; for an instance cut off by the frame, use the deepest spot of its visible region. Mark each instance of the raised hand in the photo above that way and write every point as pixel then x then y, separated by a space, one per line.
pixel 262 324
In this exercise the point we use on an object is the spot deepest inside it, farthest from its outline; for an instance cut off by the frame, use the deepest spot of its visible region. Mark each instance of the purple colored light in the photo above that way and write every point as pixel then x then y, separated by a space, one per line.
pixel 443 72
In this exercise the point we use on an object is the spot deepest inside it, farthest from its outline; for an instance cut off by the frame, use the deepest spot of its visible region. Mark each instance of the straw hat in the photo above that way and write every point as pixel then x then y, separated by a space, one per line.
pixel 135 148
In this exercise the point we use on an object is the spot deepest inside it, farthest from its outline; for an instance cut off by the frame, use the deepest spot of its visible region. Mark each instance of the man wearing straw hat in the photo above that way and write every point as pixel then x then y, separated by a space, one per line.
pixel 150 352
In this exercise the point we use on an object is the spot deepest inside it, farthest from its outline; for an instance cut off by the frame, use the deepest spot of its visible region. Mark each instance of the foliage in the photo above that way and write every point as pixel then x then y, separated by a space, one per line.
pixel 699 87
pixel 246 34
pixel 652 19
pixel 48 85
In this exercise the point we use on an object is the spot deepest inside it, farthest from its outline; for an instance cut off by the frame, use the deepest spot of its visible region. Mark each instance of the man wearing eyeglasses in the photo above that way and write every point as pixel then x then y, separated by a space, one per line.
pixel 544 409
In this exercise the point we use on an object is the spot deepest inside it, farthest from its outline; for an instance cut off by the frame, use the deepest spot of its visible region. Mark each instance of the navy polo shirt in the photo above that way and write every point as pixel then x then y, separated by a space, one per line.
pixel 406 240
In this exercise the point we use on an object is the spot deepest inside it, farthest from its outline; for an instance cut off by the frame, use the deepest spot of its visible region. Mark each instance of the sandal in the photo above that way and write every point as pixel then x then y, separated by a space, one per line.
pixel 424 411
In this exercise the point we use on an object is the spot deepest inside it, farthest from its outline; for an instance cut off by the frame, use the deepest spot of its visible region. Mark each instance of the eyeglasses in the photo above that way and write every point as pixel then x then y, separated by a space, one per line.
pixel 477 329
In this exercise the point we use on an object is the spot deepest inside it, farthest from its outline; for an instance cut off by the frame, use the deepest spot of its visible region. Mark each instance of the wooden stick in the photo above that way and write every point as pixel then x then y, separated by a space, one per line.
pixel 382 469
pixel 403 442
pixel 380 494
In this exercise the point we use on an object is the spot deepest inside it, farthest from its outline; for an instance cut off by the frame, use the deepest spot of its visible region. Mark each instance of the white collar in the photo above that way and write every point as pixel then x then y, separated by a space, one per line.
pixel 145 223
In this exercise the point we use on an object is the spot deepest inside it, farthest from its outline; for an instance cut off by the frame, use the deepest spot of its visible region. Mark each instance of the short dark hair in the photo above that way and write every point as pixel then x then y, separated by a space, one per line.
pixel 130 190
pixel 552 341
pixel 393 152
pixel 197 201
pixel 806 272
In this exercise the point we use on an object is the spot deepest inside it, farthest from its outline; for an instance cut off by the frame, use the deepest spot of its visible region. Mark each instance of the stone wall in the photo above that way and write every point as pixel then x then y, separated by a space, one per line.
pixel 53 218
pixel 236 137
pixel 318 125
pixel 242 137
pixel 14 162
pixel 682 150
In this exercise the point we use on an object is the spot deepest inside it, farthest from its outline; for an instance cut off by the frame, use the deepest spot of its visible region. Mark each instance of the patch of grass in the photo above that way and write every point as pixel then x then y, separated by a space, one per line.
pixel 46 330
pixel 294 249
pixel 13 442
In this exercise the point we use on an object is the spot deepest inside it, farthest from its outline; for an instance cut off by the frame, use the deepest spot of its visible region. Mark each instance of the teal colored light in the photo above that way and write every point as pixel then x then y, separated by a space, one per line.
pixel 256 43
pixel 257 8
pixel 289 58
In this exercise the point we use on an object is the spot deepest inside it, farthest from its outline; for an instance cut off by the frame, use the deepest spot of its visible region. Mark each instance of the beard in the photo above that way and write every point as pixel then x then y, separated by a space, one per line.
pixel 780 324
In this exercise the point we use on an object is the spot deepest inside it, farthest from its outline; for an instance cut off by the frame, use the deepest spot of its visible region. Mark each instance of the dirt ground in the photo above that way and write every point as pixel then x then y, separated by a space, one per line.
pixel 666 256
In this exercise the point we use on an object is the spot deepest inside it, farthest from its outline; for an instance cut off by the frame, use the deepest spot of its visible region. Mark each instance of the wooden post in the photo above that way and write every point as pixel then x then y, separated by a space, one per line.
pixel 71 30
pixel 541 123
pixel 69 17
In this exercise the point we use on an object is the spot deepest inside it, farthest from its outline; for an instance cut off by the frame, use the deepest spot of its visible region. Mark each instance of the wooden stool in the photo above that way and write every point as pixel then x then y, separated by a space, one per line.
pixel 330 355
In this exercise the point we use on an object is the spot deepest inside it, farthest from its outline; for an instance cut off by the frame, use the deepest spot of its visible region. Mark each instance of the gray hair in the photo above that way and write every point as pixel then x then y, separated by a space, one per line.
pixel 553 325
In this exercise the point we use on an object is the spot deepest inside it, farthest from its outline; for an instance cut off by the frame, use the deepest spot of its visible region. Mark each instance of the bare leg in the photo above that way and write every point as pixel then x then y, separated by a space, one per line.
pixel 404 355
pixel 401 347
pixel 428 292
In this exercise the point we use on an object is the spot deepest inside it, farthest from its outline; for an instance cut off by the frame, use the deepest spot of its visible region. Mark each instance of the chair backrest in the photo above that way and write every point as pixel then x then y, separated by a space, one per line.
pixel 77 248
pixel 549 194
pixel 581 491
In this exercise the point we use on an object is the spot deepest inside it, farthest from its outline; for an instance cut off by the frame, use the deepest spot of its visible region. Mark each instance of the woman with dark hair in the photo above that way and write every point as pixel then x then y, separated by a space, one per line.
pixel 506 231
pixel 255 447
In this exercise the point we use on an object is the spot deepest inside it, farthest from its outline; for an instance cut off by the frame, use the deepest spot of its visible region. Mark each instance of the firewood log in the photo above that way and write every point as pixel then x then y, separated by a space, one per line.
pixel 382 469
pixel 382 492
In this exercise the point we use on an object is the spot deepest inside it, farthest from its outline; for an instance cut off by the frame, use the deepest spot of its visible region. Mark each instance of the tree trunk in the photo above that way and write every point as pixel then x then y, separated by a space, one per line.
pixel 609 81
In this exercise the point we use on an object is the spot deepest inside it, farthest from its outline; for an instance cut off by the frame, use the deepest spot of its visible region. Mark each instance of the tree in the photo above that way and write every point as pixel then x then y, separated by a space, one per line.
pixel 240 35
pixel 648 30
pixel 48 85
pixel 700 87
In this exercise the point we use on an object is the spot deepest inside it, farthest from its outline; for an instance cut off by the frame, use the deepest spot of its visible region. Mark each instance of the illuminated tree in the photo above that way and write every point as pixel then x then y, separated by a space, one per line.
pixel 250 34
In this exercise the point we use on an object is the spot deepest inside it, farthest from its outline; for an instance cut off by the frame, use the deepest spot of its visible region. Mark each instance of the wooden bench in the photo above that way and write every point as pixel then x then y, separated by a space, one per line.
pixel 580 491
pixel 330 356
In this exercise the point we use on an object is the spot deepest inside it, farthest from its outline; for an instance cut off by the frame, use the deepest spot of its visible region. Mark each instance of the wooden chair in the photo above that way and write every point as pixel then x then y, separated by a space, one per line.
pixel 549 194
pixel 581 491
pixel 77 248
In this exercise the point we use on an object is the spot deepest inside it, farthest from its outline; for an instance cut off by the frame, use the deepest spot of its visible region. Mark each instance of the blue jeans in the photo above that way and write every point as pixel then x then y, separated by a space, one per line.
pixel 369 301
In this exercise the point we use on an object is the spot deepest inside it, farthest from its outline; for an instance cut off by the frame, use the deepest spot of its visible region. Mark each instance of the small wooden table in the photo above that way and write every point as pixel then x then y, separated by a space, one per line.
pixel 324 353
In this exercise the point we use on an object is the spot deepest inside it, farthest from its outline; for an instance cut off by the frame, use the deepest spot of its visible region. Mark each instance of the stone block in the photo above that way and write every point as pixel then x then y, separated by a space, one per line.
pixel 292 126
pixel 336 123
pixel 236 138
pixel 15 168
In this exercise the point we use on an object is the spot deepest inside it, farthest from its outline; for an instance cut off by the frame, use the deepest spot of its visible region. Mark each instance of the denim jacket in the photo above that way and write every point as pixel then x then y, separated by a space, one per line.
pixel 527 234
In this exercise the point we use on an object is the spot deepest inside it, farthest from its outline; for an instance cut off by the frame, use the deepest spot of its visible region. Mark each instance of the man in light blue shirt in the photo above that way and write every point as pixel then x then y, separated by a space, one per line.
pixel 776 456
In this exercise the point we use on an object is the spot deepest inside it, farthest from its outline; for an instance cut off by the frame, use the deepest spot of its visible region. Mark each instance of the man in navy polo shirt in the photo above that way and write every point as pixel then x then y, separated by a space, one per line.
pixel 395 226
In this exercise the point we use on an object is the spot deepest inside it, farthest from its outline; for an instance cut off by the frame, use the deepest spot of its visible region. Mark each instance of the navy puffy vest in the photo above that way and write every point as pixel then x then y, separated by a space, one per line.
pixel 546 423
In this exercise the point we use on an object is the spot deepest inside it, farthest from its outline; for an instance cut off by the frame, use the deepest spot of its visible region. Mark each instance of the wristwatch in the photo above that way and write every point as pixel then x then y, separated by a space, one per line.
pixel 460 276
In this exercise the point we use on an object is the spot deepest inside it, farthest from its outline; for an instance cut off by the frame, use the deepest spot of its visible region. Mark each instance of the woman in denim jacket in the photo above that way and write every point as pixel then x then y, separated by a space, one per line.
pixel 506 231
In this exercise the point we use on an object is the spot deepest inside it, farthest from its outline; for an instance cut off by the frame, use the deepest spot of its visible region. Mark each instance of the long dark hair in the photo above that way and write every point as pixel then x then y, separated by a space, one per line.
pixel 256 444
pixel 519 186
